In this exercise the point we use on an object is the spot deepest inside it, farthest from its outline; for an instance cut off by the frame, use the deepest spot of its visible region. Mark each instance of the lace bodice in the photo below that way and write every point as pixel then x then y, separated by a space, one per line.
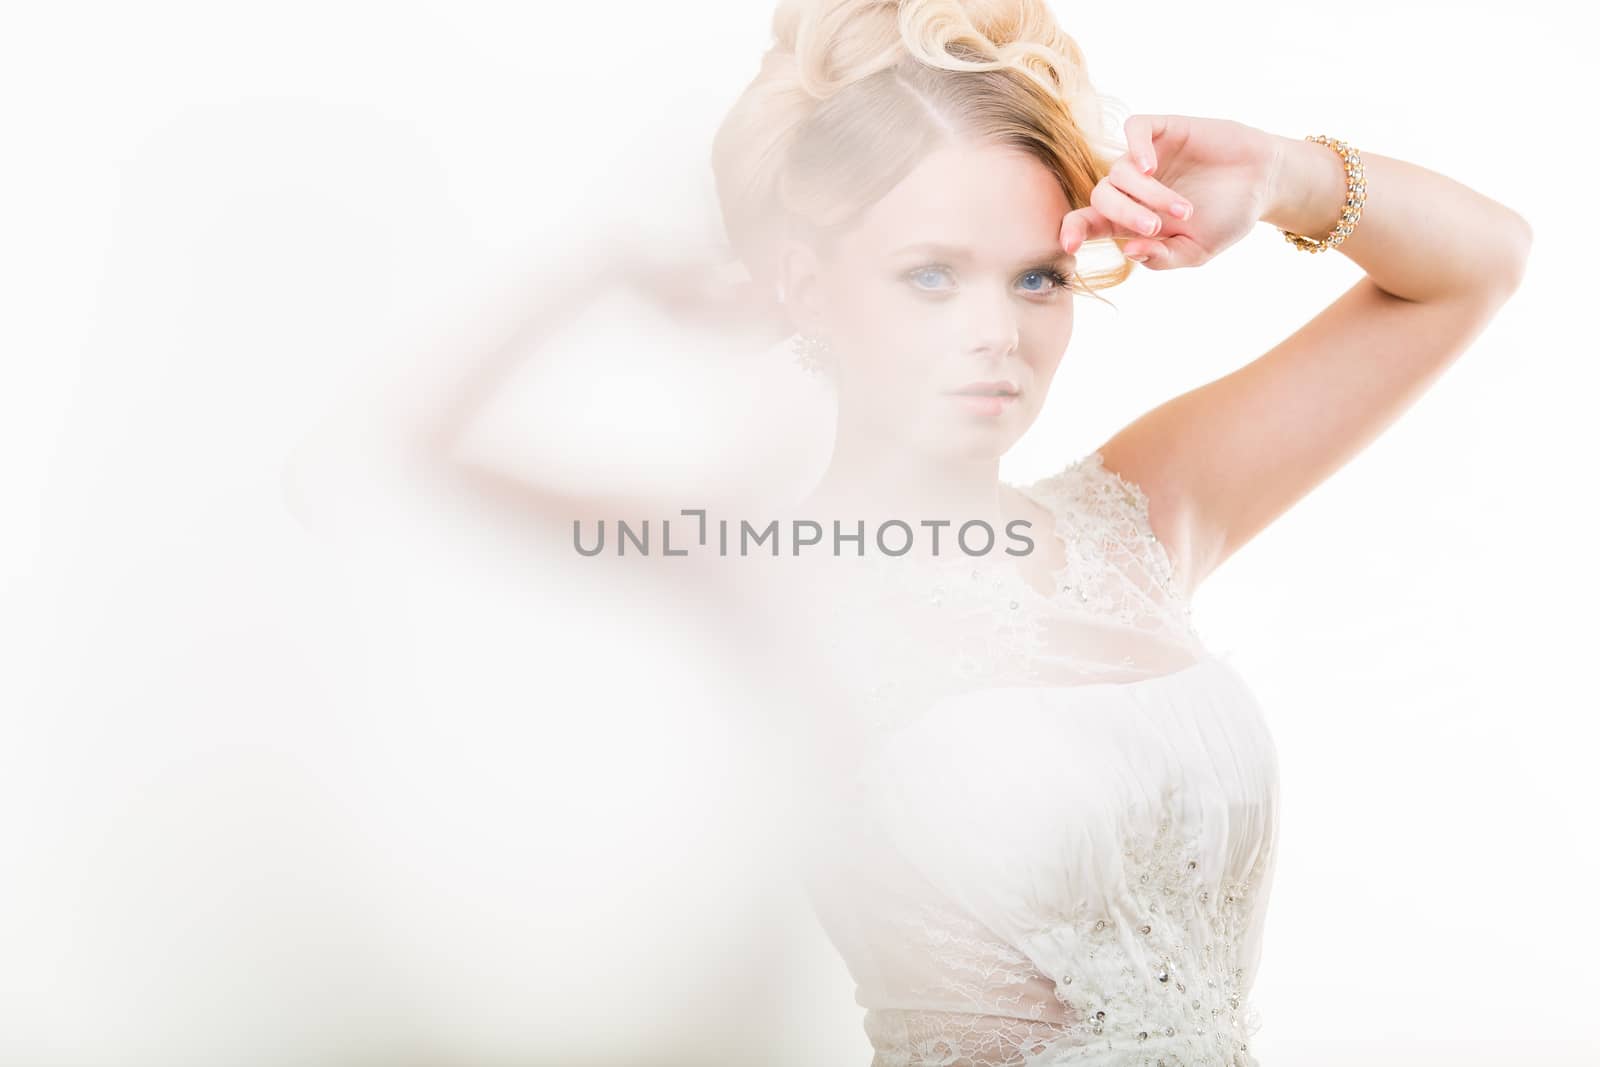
pixel 1046 824
pixel 901 632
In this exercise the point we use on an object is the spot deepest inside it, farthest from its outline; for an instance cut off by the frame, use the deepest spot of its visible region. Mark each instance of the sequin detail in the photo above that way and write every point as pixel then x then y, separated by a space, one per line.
pixel 1139 947
pixel 1177 994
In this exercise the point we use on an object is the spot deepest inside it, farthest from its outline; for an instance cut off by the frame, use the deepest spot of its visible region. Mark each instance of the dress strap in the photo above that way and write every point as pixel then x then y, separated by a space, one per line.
pixel 1115 563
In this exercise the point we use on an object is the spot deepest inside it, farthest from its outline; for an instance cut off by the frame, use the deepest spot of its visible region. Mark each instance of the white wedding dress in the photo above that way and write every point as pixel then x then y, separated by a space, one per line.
pixel 1043 828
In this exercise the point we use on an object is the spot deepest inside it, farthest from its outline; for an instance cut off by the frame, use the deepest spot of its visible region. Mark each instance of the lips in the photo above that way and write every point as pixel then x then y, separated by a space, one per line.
pixel 986 389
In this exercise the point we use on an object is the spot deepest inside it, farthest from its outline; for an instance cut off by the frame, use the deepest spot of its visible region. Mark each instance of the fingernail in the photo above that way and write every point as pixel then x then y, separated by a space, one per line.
pixel 1152 226
pixel 1182 210
pixel 1138 259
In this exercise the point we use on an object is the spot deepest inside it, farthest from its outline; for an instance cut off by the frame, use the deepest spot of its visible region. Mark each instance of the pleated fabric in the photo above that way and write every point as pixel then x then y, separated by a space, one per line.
pixel 1043 823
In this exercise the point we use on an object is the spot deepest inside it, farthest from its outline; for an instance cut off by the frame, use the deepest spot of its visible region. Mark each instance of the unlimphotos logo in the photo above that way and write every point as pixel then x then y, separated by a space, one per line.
pixel 893 537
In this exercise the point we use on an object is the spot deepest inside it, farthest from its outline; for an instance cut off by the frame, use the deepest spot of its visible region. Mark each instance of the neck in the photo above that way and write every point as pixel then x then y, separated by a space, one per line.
pixel 877 482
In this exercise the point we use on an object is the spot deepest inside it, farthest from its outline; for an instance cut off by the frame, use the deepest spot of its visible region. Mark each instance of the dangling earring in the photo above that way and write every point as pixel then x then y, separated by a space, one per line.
pixel 812 353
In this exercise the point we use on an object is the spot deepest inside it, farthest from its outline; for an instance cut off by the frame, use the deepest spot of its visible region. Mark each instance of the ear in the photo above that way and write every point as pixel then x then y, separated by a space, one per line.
pixel 800 282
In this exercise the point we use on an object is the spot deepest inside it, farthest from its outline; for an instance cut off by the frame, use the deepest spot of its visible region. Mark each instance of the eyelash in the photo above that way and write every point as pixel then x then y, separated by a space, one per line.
pixel 1062 280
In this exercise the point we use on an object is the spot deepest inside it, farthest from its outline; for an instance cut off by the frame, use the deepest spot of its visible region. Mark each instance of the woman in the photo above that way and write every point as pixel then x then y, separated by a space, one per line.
pixel 1044 818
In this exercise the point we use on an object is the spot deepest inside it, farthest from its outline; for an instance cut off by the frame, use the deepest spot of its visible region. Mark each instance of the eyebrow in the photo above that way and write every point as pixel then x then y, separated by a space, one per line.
pixel 953 252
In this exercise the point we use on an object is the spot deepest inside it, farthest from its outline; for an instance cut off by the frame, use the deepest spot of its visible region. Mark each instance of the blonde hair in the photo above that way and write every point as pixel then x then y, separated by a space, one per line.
pixel 853 94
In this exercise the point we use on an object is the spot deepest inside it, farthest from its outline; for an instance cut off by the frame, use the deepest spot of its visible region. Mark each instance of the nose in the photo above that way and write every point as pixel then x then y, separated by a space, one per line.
pixel 993 328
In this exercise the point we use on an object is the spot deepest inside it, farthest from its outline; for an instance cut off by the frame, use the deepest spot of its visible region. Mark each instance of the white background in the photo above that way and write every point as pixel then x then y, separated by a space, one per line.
pixel 295 770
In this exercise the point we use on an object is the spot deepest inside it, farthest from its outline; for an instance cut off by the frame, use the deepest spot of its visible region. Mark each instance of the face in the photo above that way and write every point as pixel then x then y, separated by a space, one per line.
pixel 947 309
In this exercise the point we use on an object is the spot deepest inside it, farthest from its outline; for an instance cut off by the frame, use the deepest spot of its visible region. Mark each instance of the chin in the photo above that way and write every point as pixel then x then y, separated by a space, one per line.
pixel 976 443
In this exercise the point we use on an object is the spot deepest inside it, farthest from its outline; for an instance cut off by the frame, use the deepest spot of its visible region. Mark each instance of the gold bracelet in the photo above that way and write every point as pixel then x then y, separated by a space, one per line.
pixel 1355 184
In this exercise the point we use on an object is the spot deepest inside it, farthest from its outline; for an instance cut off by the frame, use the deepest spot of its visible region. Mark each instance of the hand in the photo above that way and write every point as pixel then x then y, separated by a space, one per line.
pixel 1204 182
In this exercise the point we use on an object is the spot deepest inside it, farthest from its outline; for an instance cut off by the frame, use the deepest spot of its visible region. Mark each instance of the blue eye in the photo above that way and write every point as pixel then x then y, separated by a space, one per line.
pixel 922 272
pixel 1055 278
pixel 1041 281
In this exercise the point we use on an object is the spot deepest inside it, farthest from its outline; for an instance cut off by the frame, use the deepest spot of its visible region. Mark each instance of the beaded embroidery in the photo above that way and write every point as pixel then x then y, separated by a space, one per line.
pixel 903 632
pixel 1123 571
pixel 1159 977
pixel 1162 984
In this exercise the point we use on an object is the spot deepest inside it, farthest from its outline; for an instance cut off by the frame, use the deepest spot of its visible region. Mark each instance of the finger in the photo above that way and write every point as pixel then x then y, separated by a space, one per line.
pixel 1153 254
pixel 1149 191
pixel 1141 132
pixel 1083 225
pixel 1174 252
pixel 1123 210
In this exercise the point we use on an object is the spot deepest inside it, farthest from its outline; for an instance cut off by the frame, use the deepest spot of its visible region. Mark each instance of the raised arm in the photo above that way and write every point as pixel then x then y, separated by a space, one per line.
pixel 418 419
pixel 1222 461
